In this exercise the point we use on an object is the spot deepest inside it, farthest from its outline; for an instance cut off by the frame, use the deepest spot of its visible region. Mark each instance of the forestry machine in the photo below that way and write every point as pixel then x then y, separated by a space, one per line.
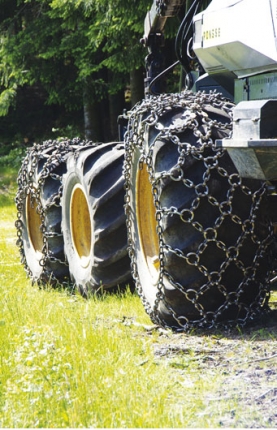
pixel 184 206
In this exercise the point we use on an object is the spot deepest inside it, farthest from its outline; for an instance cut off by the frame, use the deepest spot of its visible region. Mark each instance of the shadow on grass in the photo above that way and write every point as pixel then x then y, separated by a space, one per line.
pixel 101 294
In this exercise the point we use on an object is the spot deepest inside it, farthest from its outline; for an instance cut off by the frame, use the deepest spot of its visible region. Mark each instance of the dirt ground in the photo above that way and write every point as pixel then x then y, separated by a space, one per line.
pixel 246 360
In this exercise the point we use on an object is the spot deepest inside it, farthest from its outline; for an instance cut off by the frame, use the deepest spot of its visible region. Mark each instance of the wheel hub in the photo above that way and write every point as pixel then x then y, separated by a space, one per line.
pixel 80 225
pixel 147 223
pixel 33 224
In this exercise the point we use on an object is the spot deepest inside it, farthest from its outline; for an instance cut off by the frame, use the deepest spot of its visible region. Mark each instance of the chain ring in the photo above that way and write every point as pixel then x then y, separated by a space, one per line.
pixel 146 115
pixel 55 153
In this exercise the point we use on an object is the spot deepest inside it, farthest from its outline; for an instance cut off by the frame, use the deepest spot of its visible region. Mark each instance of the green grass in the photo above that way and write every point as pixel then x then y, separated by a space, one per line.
pixel 68 362
pixel 7 190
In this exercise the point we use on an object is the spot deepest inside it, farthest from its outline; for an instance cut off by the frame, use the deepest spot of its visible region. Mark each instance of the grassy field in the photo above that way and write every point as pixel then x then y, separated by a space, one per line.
pixel 68 362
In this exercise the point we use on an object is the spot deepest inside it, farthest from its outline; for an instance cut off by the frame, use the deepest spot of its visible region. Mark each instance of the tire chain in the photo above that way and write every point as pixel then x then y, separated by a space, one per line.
pixel 58 151
pixel 147 114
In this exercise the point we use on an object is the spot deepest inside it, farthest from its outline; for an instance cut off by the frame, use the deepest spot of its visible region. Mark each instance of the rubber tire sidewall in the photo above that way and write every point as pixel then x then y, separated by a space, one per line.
pixel 97 275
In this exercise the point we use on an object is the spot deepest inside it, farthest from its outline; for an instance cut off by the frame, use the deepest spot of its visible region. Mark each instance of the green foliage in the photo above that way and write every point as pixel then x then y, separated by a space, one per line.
pixel 67 132
pixel 74 55
pixel 60 43
pixel 13 158
pixel 7 98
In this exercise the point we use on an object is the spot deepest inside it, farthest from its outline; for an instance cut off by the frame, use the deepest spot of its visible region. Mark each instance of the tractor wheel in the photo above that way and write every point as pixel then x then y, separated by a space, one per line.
pixel 196 231
pixel 39 212
pixel 94 223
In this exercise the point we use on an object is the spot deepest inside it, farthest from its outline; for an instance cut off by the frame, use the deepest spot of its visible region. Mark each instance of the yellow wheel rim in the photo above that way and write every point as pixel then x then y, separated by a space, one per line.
pixel 147 223
pixel 33 225
pixel 80 225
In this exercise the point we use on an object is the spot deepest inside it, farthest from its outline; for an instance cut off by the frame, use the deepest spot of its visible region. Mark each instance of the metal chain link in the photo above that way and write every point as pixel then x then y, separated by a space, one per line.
pixel 53 154
pixel 147 114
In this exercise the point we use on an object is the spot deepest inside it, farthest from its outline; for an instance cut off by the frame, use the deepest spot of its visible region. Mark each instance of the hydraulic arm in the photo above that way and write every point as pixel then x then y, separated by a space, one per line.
pixel 153 39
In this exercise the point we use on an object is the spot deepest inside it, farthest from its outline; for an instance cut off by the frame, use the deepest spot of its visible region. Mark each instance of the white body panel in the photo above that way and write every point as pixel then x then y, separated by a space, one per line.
pixel 237 36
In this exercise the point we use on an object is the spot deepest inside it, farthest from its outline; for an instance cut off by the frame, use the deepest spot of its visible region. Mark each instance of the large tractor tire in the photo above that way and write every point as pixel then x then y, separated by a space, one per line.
pixel 197 235
pixel 38 197
pixel 94 223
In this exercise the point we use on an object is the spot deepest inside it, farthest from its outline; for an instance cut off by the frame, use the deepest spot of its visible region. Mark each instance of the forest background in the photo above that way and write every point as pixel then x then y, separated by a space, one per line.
pixel 70 67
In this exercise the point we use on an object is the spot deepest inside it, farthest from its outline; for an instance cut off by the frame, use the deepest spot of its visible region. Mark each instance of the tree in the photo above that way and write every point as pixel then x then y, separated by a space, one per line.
pixel 79 52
